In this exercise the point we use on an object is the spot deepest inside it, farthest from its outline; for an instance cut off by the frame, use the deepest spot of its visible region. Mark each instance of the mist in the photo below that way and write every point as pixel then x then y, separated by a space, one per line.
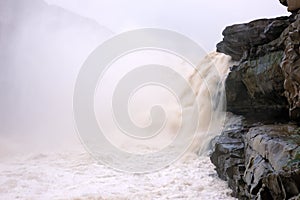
pixel 43 47
pixel 203 21
pixel 42 50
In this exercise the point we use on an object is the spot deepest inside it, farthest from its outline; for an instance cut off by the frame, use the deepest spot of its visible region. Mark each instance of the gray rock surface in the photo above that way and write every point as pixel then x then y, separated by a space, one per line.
pixel 254 88
pixel 266 81
pixel 240 39
pixel 261 162
pixel 291 68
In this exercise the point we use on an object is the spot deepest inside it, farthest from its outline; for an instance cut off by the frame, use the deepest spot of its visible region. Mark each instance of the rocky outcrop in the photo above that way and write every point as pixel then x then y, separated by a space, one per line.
pixel 272 161
pixel 254 88
pixel 267 79
pixel 260 162
pixel 260 156
pixel 229 158
pixel 240 39
pixel 291 68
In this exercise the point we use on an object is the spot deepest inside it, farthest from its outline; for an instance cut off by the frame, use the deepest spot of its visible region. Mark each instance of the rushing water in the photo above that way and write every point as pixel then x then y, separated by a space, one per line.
pixel 40 156
pixel 75 175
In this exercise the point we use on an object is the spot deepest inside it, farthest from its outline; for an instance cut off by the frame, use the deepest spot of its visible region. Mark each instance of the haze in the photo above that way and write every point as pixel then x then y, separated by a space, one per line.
pixel 201 20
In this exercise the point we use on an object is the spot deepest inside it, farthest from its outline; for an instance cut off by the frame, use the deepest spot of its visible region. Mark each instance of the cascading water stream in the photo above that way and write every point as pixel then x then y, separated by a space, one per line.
pixel 210 88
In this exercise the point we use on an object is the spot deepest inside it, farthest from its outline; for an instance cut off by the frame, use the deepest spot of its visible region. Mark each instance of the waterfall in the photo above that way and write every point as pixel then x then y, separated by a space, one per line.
pixel 211 94
pixel 40 153
pixel 191 121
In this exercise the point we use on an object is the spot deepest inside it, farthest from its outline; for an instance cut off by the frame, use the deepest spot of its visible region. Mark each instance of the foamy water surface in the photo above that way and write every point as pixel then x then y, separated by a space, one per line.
pixel 75 175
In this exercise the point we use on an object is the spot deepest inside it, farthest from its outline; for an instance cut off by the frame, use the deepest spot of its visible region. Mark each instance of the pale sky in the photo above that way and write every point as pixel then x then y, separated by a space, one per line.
pixel 203 21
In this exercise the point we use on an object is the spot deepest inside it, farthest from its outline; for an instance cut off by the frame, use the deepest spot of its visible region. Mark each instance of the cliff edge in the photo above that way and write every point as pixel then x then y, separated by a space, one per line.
pixel 259 155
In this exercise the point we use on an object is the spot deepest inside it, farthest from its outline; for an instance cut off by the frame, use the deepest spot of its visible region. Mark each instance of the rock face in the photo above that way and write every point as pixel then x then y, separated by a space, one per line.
pixel 254 88
pixel 261 162
pixel 260 155
pixel 267 79
pixel 293 5
pixel 229 158
pixel 291 68
pixel 241 38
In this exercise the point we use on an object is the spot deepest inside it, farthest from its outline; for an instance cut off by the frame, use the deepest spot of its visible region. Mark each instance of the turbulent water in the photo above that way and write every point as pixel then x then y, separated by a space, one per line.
pixel 40 155
pixel 75 175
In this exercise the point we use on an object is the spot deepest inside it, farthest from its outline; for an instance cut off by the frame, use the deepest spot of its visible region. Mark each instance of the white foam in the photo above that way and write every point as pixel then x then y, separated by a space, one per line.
pixel 75 175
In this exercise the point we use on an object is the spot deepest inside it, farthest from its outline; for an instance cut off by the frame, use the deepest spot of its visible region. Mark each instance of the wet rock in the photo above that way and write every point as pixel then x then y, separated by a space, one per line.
pixel 241 38
pixel 228 157
pixel 271 143
pixel 267 167
pixel 262 161
pixel 269 154
pixel 291 68
pixel 266 81
pixel 254 88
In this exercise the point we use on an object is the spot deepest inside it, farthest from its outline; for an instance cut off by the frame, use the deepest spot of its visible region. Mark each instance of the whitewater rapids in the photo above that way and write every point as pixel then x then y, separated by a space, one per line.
pixel 75 175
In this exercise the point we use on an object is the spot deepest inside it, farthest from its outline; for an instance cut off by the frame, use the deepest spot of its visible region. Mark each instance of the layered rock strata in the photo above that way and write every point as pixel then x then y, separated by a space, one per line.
pixel 267 79
pixel 261 162
pixel 260 156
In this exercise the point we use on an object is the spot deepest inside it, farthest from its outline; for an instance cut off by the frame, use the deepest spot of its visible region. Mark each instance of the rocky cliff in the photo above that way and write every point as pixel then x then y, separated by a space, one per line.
pixel 269 60
pixel 259 161
pixel 259 155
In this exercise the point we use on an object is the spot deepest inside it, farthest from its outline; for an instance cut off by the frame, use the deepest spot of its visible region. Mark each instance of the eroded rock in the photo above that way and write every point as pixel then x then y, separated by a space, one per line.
pixel 254 88
pixel 291 68
pixel 268 69
pixel 260 163
pixel 228 156
pixel 239 39
pixel 263 161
